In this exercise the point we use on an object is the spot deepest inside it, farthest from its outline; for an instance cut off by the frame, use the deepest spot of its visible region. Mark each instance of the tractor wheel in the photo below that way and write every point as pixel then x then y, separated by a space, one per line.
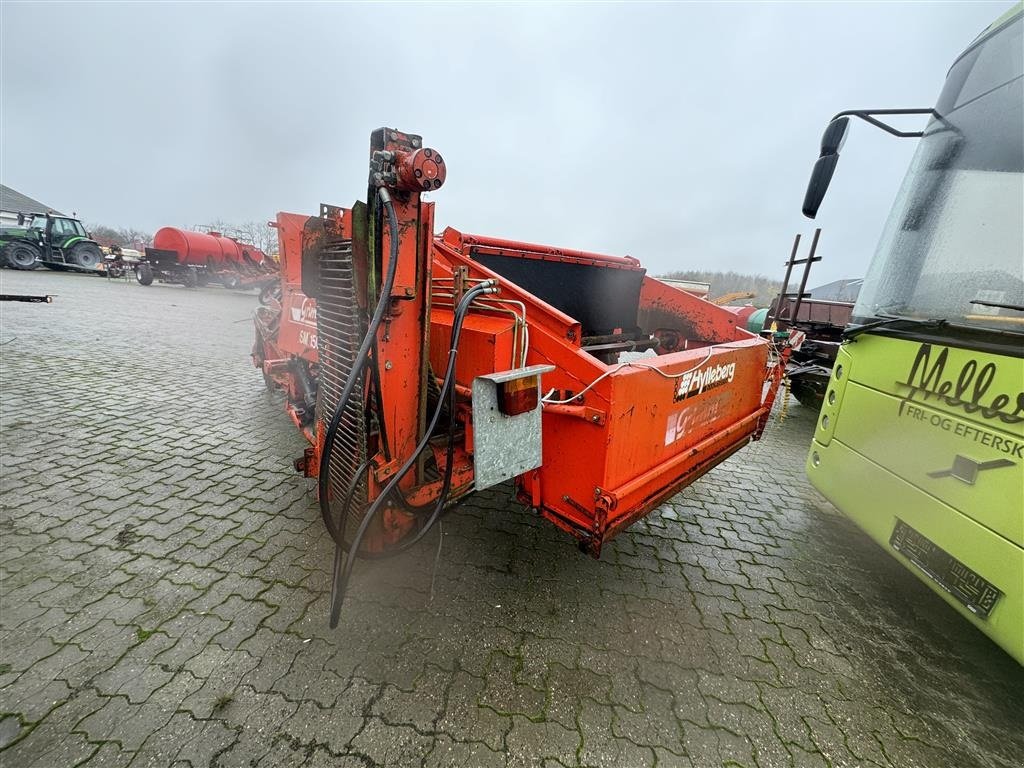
pixel 144 274
pixel 20 256
pixel 86 255
pixel 190 279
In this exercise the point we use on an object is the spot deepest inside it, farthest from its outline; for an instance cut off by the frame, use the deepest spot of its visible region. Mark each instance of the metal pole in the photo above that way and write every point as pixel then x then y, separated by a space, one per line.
pixel 785 283
pixel 807 272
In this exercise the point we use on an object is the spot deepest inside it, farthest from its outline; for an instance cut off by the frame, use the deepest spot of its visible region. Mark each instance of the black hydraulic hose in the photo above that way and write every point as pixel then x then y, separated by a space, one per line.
pixel 298 366
pixel 447 389
pixel 323 480
pixel 442 497
pixel 446 486
pixel 340 585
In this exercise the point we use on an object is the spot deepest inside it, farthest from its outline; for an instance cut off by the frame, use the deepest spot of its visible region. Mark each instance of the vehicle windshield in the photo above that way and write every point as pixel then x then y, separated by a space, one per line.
pixel 956 231
pixel 38 222
pixel 78 227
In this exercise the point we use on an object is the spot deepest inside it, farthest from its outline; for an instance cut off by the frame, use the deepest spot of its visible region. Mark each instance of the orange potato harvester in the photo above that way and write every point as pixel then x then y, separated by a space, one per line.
pixel 422 367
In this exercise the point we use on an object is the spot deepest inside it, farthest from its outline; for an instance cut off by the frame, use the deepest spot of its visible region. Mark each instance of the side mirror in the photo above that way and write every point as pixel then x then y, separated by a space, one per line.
pixel 831 142
pixel 821 176
pixel 835 136
pixel 21 219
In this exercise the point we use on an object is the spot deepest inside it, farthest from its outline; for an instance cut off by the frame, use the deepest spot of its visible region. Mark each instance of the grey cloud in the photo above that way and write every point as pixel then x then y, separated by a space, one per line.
pixel 681 134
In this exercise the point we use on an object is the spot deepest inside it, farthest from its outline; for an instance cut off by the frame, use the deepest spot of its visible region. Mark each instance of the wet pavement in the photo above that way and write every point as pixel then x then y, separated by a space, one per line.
pixel 165 579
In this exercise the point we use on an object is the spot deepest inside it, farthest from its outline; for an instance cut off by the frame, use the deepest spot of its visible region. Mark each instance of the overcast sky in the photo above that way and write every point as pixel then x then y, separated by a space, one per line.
pixel 682 134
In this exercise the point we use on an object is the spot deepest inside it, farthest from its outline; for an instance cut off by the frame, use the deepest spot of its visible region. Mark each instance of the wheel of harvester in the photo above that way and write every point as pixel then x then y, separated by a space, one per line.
pixel 144 274
pixel 259 357
pixel 20 256
pixel 270 294
pixel 269 382
pixel 190 279
pixel 809 391
pixel 86 255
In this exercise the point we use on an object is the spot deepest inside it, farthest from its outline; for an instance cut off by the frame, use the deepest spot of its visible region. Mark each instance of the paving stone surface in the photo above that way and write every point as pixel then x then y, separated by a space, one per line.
pixel 164 592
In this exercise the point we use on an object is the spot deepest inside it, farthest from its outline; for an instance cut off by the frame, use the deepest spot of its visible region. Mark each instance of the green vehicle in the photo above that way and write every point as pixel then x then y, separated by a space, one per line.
pixel 57 242
pixel 920 440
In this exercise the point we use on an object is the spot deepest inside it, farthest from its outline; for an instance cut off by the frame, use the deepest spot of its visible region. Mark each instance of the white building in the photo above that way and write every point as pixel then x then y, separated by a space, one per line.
pixel 12 203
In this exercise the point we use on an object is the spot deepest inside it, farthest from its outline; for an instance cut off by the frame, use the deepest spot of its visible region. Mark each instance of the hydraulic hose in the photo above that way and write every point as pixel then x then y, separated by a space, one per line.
pixel 323 480
pixel 447 389
pixel 446 485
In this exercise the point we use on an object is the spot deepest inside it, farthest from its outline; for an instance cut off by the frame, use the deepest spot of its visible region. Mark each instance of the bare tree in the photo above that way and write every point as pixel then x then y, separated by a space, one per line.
pixel 135 238
pixel 216 225
pixel 124 237
pixel 257 233
pixel 106 235
pixel 260 234
pixel 764 288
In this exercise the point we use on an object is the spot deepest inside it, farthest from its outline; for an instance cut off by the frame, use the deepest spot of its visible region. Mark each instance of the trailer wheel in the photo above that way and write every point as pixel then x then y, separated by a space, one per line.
pixel 190 279
pixel 86 255
pixel 20 256
pixel 144 274
pixel 231 282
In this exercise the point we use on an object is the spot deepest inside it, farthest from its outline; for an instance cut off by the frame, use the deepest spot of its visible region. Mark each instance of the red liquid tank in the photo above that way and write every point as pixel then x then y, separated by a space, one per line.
pixel 206 249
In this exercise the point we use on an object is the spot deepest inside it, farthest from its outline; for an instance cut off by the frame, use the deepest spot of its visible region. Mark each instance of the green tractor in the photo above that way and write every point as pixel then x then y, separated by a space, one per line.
pixel 57 242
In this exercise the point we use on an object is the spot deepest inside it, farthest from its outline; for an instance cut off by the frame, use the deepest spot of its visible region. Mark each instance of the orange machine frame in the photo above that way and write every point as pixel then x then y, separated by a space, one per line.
pixel 614 452
pixel 619 435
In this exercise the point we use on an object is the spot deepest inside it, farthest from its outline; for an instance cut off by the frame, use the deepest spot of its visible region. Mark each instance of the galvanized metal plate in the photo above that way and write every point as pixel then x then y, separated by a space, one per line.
pixel 504 446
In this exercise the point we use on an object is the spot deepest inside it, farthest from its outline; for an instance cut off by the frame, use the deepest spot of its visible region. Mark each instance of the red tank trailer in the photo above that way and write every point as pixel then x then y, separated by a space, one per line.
pixel 198 258
pixel 423 367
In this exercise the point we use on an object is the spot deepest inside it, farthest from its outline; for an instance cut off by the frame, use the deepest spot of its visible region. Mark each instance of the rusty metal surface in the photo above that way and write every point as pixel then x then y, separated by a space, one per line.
pixel 832 313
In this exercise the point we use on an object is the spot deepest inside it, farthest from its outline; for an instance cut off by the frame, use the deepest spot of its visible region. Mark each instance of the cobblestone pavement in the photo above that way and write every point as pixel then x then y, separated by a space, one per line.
pixel 165 590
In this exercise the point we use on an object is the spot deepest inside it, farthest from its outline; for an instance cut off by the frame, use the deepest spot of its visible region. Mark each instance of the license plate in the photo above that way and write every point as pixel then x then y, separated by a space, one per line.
pixel 977 595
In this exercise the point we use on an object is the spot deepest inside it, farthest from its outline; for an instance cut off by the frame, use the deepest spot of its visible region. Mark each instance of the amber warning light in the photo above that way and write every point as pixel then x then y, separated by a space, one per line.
pixel 518 395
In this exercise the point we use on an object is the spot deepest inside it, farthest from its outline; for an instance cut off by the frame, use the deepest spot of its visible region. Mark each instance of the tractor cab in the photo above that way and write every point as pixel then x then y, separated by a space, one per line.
pixel 57 231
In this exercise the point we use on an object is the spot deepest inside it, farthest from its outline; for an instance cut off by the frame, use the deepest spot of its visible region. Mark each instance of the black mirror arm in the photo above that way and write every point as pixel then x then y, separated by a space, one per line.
pixel 821 176
pixel 867 116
